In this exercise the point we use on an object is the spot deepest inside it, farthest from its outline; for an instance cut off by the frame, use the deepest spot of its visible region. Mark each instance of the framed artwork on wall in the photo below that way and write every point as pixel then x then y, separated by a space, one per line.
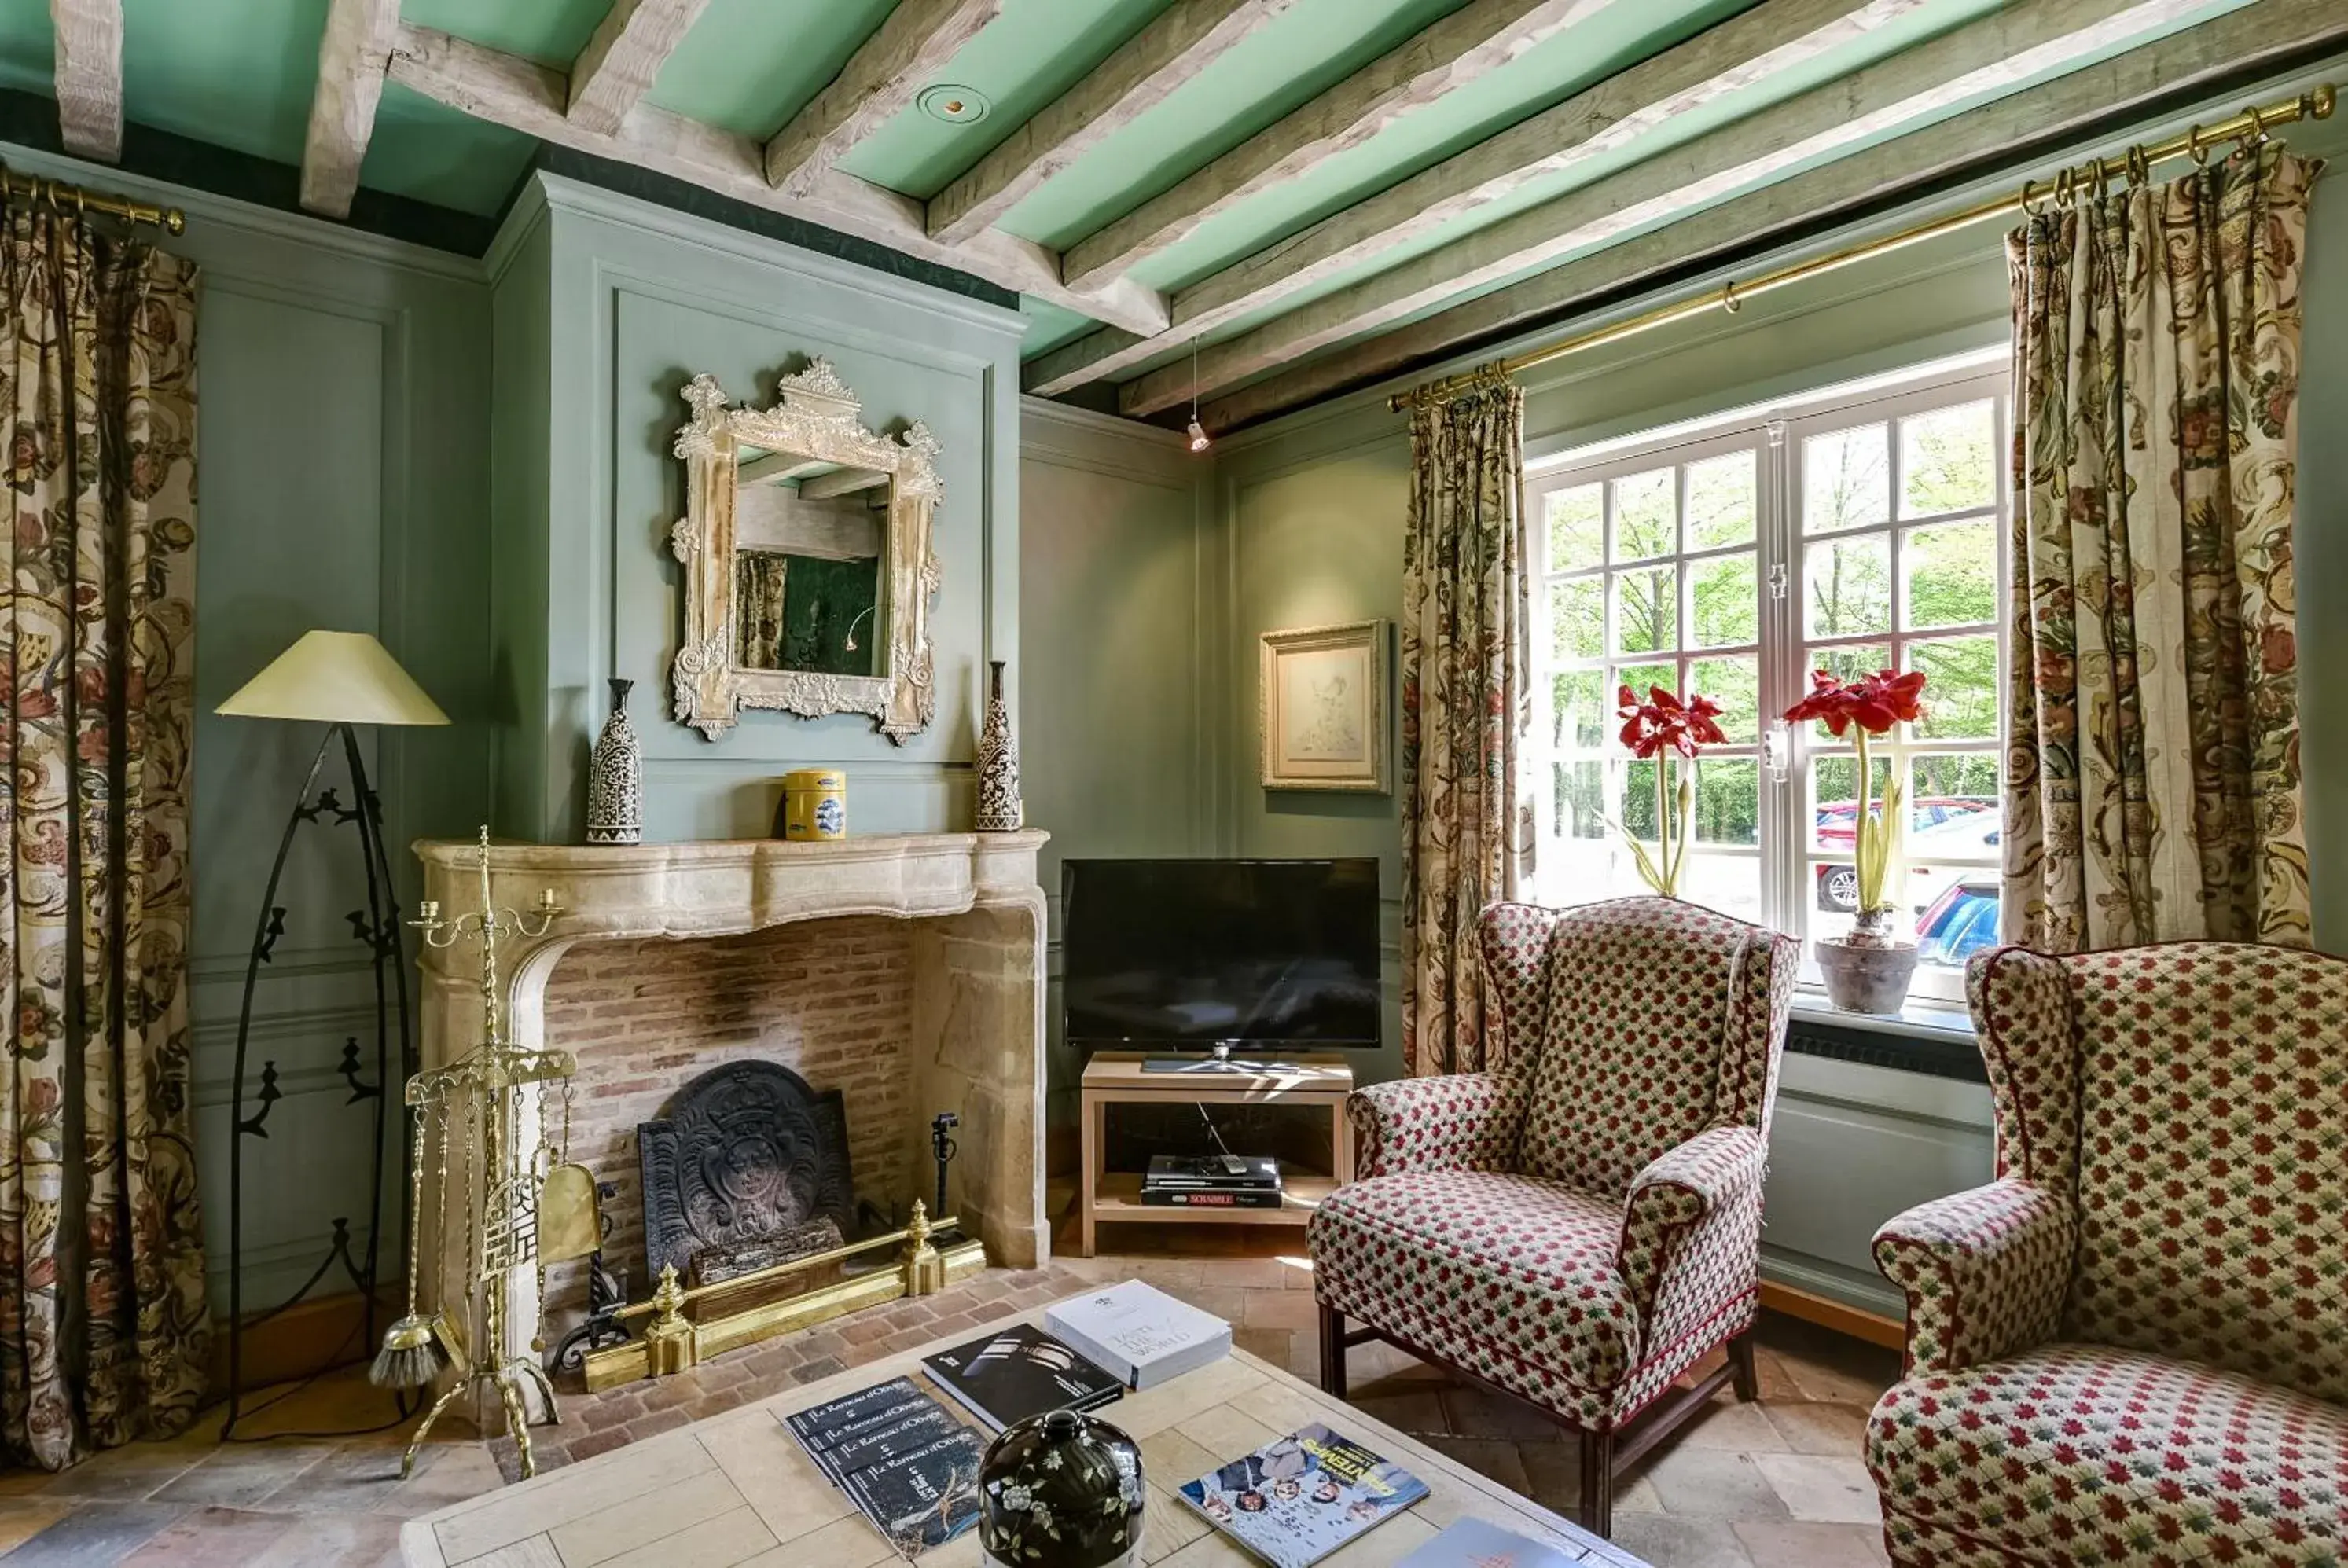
pixel 1323 708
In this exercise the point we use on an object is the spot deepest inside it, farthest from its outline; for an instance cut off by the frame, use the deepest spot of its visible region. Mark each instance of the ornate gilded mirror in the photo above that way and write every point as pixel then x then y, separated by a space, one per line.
pixel 808 570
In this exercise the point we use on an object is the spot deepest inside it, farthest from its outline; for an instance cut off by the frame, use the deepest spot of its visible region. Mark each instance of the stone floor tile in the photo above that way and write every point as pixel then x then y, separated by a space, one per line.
pixel 1812 1545
pixel 211 1538
pixel 1712 1483
pixel 1810 1427
pixel 22 1517
pixel 1418 1411
pixel 1481 1413
pixel 239 1475
pixel 1822 1488
pixel 1492 1458
pixel 96 1534
pixel 343 1539
pixel 1727 1424
pixel 1279 1309
pixel 1675 1540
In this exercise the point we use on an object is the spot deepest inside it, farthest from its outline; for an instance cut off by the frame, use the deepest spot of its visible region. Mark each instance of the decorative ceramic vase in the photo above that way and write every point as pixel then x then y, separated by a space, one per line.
pixel 616 778
pixel 1000 810
pixel 1868 971
pixel 1060 1491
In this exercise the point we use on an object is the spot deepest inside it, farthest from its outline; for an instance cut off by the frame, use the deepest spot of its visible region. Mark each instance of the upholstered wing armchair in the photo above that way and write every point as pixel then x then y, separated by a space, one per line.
pixel 1578 1227
pixel 2132 1347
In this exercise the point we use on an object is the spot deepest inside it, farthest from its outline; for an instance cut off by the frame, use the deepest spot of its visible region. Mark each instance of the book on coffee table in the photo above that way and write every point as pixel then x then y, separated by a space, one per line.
pixel 1139 1335
pixel 1294 1501
pixel 1017 1372
pixel 926 1497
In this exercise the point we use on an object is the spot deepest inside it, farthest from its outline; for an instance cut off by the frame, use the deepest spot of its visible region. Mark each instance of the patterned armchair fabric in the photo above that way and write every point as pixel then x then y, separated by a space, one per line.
pixel 1583 1224
pixel 2133 1346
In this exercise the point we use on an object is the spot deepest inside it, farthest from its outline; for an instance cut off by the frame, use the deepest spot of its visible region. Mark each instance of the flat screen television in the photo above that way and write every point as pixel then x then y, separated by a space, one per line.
pixel 1219 956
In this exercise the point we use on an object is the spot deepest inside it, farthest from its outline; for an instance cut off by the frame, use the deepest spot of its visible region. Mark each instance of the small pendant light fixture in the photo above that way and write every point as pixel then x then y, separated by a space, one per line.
pixel 1200 441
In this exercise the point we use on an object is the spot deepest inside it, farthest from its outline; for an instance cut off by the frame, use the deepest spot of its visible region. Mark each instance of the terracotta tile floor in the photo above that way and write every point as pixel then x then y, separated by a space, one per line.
pixel 1775 1485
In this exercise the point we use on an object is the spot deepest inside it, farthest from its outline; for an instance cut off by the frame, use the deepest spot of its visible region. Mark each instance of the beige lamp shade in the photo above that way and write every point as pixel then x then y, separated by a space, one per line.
pixel 338 677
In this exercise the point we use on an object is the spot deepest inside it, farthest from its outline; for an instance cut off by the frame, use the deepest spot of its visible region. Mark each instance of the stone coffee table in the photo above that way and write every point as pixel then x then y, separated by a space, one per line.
pixel 735 1488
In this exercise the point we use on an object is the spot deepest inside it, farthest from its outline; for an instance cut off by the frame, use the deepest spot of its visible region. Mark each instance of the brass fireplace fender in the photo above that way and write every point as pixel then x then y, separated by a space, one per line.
pixel 673 1343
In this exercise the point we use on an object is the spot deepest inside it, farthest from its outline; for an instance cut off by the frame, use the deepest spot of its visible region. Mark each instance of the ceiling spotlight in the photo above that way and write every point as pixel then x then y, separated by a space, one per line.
pixel 1199 439
pixel 952 103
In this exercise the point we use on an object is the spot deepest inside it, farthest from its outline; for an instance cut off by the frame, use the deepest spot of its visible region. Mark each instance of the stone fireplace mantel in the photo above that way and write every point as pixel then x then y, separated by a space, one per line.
pixel 978 975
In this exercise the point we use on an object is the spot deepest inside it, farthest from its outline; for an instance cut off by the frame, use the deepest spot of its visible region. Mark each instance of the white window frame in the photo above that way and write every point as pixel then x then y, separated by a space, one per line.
pixel 1787 851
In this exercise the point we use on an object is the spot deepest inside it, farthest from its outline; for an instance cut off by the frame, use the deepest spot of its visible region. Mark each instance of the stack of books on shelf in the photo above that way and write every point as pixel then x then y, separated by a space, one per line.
pixel 1211 1182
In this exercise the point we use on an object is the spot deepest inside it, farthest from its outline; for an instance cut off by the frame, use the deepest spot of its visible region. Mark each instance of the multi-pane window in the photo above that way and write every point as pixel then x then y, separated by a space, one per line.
pixel 1850 535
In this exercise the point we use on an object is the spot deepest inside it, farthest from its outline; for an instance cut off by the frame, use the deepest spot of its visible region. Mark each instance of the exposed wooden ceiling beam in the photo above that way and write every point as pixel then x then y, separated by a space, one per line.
pixel 616 68
pixel 1178 43
pixel 2222 47
pixel 89 76
pixel 910 46
pixel 847 481
pixel 1995 54
pixel 1452 53
pixel 522 94
pixel 1771 39
pixel 354 52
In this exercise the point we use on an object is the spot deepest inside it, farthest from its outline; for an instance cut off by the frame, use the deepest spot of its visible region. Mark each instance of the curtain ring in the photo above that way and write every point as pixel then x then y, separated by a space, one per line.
pixel 2139 166
pixel 2249 140
pixel 2066 187
pixel 2099 182
pixel 2029 196
pixel 2193 148
pixel 1729 300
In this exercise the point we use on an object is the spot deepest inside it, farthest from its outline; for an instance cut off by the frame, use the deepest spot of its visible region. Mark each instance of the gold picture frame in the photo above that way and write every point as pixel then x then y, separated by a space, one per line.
pixel 1321 709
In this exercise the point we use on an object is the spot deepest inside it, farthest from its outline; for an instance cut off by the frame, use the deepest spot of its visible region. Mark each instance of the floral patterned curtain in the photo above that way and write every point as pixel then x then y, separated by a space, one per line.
pixel 103 1327
pixel 2154 788
pixel 1465 711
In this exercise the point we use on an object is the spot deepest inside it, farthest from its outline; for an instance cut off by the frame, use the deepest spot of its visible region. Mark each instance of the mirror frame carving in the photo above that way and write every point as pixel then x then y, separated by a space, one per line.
pixel 814 415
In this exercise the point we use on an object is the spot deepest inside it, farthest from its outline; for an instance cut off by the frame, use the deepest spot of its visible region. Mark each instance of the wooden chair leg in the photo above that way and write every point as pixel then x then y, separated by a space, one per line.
pixel 1333 1351
pixel 1598 1484
pixel 1740 1362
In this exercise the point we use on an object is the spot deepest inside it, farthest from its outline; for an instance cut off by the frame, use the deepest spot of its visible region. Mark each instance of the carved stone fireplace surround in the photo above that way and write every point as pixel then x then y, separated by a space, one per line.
pixel 978 977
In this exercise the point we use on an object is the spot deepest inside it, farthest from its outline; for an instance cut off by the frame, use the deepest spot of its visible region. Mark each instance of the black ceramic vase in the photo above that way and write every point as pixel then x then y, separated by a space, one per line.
pixel 1060 1491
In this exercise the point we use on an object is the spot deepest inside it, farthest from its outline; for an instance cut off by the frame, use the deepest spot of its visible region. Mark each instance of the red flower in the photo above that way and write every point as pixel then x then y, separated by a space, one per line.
pixel 1874 703
pixel 1667 722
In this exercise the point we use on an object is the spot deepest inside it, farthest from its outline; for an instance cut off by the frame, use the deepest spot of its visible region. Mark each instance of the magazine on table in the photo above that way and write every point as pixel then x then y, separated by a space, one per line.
pixel 1020 1371
pixel 1294 1501
pixel 1472 1544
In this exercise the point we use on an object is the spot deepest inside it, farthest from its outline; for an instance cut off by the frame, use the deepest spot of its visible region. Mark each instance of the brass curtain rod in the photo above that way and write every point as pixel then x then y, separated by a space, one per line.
pixel 2248 127
pixel 57 193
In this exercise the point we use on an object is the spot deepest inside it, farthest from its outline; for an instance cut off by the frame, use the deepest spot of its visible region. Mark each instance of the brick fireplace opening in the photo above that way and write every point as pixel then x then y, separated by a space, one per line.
pixel 905 971
pixel 831 999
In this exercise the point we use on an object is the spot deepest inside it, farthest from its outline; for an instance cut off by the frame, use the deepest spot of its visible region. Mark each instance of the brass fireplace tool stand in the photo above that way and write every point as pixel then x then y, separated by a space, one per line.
pixel 482 1101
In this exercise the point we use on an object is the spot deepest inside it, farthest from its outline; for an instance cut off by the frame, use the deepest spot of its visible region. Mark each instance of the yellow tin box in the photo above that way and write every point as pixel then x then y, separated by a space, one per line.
pixel 814 804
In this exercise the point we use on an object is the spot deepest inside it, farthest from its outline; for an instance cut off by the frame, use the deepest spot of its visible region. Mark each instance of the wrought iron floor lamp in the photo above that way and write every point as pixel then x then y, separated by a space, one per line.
pixel 344 679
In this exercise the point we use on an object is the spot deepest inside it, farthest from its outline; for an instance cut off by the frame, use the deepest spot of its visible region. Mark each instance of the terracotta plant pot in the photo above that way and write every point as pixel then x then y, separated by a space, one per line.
pixel 1864 977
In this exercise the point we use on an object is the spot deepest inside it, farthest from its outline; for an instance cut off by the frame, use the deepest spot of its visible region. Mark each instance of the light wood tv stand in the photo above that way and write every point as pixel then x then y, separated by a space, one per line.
pixel 1116 1078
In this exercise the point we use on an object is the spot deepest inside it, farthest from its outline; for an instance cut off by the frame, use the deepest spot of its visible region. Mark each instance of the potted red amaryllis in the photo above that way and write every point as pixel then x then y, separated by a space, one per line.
pixel 1869 970
pixel 1664 726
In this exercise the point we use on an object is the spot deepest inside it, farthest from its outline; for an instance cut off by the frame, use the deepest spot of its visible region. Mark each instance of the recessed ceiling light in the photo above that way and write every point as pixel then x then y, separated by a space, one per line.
pixel 954 105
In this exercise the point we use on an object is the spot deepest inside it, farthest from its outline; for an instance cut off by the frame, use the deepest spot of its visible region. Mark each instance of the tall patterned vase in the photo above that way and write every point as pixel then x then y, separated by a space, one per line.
pixel 1000 810
pixel 616 778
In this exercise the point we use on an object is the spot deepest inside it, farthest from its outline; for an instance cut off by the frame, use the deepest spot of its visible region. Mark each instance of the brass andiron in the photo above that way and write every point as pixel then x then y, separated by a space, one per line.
pixel 483 1099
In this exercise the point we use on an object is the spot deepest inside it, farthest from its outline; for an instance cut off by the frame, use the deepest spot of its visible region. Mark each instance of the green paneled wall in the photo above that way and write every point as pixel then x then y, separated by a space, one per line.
pixel 605 307
pixel 343 478
pixel 1122 687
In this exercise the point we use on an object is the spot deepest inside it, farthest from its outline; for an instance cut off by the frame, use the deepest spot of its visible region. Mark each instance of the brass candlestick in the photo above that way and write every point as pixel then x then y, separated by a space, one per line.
pixel 481 1097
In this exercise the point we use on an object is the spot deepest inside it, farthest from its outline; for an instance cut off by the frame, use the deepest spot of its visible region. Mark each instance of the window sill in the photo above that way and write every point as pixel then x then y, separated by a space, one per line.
pixel 1926 1038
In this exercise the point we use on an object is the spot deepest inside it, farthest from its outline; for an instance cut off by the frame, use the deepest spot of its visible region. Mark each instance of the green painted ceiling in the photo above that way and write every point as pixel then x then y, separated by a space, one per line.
pixel 240 73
